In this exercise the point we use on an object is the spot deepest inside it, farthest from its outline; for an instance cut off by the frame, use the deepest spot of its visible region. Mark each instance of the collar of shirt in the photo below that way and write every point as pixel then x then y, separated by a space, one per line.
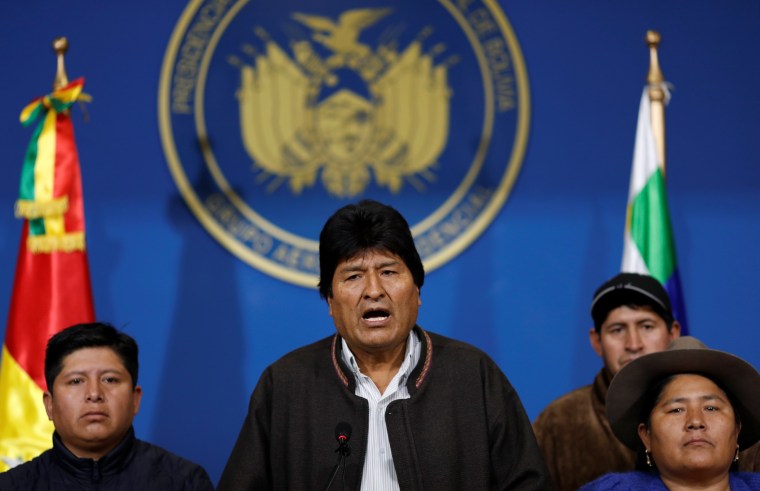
pixel 411 357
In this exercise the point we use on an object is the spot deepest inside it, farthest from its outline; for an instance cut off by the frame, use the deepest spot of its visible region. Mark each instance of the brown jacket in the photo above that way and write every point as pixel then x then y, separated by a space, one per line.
pixel 579 446
pixel 576 439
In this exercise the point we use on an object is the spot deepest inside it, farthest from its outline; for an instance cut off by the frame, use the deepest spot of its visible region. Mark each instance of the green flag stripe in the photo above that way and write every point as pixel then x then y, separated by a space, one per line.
pixel 26 188
pixel 650 228
pixel 37 226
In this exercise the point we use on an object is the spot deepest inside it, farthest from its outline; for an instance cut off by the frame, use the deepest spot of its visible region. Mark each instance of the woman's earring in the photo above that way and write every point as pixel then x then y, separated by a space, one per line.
pixel 736 457
pixel 648 454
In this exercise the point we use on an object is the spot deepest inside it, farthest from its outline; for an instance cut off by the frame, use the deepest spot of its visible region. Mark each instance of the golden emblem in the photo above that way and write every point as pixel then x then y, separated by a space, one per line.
pixel 396 134
pixel 272 114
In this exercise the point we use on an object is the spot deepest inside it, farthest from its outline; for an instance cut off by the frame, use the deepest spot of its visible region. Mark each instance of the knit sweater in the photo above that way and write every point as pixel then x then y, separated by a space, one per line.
pixel 463 426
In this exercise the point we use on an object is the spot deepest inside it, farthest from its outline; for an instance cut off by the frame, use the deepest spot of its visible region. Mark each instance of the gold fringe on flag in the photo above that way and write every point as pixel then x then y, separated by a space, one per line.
pixel 46 244
pixel 42 209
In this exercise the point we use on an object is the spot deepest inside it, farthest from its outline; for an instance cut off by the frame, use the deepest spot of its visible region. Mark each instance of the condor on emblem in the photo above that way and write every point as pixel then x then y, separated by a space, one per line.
pixel 273 115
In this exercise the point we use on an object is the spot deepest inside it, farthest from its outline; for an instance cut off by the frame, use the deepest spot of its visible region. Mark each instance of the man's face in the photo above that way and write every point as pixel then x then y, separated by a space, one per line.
pixel 374 303
pixel 629 333
pixel 92 402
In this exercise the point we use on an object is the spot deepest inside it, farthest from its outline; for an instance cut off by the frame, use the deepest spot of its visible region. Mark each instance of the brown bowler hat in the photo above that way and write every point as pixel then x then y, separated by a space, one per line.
pixel 625 397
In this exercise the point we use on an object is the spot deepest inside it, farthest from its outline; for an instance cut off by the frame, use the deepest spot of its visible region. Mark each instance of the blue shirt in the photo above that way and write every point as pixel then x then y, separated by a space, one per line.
pixel 650 481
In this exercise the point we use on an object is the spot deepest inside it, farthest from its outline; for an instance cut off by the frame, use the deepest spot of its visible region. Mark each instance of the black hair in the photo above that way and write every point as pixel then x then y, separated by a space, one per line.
pixel 601 317
pixel 650 399
pixel 362 227
pixel 92 335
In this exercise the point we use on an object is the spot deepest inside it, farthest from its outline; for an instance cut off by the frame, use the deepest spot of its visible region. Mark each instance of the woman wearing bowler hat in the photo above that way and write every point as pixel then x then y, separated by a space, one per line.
pixel 687 412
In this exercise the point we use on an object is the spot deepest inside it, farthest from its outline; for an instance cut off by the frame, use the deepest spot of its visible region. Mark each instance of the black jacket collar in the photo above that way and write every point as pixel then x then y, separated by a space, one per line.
pixel 94 470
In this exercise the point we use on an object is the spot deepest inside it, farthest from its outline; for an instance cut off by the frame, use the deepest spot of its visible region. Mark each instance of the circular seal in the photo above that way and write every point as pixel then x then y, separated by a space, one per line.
pixel 273 115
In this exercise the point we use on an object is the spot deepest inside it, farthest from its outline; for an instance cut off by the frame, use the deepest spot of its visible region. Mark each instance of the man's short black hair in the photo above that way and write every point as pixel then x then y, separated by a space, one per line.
pixel 362 227
pixel 92 335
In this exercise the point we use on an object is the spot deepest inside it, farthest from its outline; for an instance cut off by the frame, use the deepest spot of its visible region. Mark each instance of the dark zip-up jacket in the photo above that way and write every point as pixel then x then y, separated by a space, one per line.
pixel 134 465
pixel 463 426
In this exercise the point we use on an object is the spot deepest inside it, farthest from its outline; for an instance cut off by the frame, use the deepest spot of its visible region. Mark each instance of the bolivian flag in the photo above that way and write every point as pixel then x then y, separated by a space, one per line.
pixel 649 247
pixel 52 284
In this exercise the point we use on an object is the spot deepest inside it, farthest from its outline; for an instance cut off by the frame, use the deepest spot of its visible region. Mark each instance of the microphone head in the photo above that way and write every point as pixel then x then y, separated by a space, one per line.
pixel 343 432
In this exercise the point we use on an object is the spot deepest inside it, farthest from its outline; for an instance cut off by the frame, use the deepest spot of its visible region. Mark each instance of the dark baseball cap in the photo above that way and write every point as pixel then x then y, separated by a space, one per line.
pixel 630 289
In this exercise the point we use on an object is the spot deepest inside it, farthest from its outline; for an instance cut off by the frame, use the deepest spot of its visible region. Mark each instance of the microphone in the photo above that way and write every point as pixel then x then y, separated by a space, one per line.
pixel 342 435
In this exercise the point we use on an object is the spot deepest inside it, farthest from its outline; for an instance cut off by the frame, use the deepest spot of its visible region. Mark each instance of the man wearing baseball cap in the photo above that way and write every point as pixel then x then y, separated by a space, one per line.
pixel 632 317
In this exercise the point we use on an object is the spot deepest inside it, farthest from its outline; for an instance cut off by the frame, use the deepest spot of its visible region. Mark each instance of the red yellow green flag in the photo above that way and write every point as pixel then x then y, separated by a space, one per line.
pixel 51 289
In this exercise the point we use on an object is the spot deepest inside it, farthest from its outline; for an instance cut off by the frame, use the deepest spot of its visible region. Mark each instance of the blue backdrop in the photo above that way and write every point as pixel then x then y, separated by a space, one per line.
pixel 208 323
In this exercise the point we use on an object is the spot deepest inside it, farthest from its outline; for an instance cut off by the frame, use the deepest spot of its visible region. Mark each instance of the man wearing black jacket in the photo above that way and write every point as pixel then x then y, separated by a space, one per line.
pixel 382 404
pixel 92 398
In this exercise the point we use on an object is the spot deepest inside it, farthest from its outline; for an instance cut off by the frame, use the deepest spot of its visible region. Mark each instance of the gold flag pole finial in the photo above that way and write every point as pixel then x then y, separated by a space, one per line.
pixel 655 74
pixel 656 81
pixel 60 46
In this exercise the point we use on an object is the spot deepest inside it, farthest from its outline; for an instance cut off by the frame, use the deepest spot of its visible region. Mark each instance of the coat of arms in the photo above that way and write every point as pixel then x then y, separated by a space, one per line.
pixel 346 139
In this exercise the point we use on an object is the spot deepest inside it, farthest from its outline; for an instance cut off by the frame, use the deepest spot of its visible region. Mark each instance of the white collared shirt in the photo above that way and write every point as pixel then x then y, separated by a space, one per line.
pixel 379 473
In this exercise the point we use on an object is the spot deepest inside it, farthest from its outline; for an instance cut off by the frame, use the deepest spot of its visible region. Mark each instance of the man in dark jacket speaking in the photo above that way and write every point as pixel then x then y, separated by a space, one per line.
pixel 382 404
pixel 92 398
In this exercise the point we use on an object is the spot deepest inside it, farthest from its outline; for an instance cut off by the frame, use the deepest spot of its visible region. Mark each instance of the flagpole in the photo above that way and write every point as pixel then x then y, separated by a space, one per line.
pixel 656 81
pixel 60 46
pixel 51 287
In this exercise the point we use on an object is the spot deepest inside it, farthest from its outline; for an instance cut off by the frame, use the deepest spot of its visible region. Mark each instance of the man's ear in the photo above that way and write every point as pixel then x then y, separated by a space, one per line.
pixel 675 330
pixel 595 338
pixel 138 397
pixel 47 400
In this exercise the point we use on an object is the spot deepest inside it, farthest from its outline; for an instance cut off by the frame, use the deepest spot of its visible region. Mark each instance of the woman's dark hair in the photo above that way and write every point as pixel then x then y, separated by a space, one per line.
pixel 650 400
pixel 362 227
pixel 93 335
